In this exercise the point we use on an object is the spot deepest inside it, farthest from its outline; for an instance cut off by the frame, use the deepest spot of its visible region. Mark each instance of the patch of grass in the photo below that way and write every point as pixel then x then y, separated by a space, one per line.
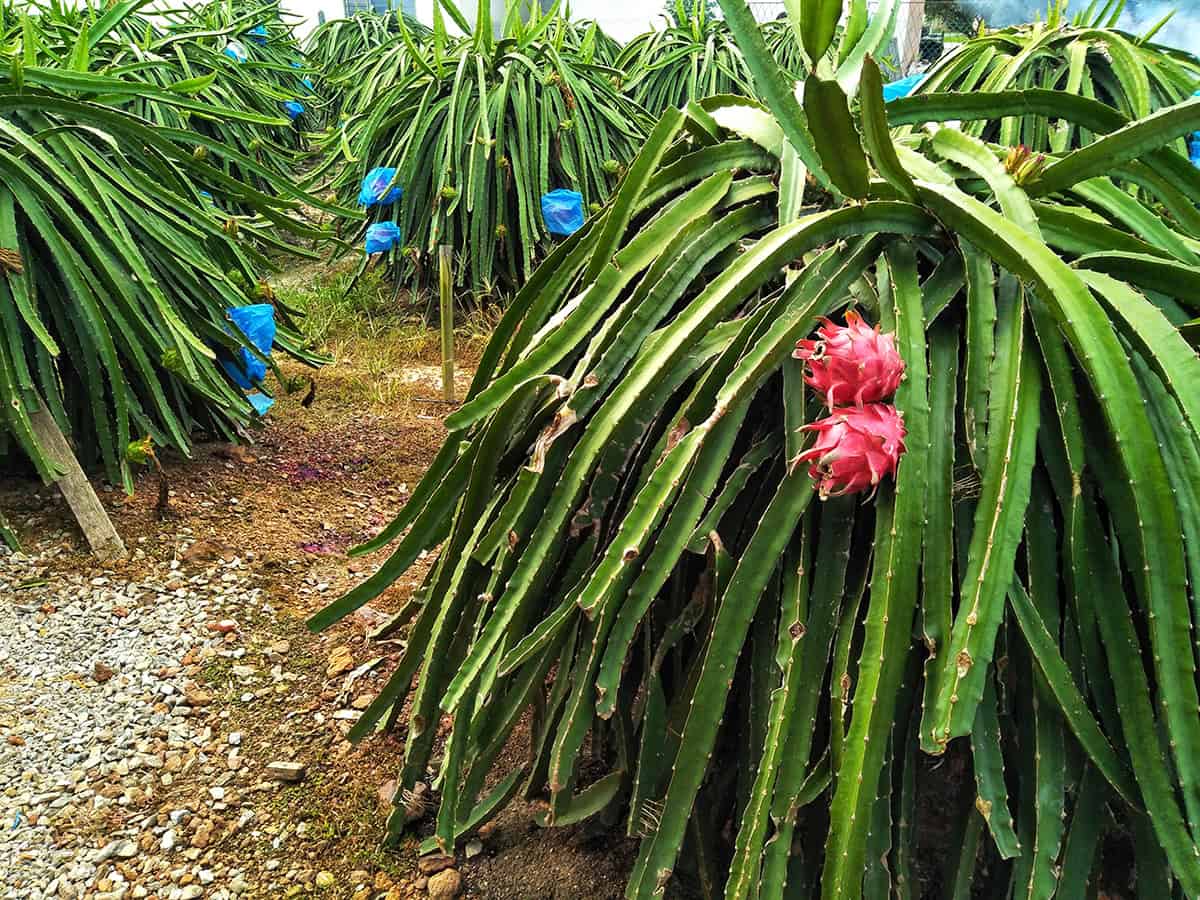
pixel 377 334
pixel 371 323
pixel 216 672
pixel 338 307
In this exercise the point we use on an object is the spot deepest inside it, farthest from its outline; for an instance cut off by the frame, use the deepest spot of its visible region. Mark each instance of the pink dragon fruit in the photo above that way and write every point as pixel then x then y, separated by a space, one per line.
pixel 855 448
pixel 853 363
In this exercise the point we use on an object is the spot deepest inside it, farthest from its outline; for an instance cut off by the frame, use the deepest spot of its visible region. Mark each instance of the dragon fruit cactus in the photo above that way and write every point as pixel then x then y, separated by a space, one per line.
pixel 855 448
pixel 851 363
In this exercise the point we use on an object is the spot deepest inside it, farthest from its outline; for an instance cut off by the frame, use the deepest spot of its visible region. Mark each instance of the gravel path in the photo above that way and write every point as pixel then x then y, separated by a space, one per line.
pixel 100 726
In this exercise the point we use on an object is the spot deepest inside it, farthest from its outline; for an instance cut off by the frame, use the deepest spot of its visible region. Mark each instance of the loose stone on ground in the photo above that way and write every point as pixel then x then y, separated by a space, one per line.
pixel 101 715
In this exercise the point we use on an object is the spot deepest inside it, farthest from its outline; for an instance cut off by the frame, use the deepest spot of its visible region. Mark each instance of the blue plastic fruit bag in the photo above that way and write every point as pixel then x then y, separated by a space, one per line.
pixel 258 34
pixel 901 88
pixel 260 401
pixel 294 109
pixel 562 211
pixel 375 190
pixel 236 51
pixel 257 323
pixel 382 236
pixel 1194 143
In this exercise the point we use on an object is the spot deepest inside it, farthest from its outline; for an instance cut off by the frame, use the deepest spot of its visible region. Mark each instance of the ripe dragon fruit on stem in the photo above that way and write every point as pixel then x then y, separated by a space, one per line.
pixel 851 363
pixel 855 448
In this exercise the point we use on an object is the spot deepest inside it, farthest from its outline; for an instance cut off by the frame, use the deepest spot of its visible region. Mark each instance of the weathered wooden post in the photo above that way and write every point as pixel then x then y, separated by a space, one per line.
pixel 446 289
pixel 89 512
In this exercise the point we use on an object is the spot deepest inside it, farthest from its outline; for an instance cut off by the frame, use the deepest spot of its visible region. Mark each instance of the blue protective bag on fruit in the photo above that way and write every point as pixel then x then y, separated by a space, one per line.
pixel 375 190
pixel 1194 143
pixel 382 236
pixel 562 211
pixel 293 108
pixel 257 323
pixel 236 51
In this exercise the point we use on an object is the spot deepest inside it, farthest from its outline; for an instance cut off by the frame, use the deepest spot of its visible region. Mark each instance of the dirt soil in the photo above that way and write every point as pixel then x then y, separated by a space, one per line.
pixel 318 480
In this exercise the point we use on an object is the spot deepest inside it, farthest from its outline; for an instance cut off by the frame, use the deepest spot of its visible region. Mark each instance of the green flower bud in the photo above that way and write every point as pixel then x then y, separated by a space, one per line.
pixel 171 360
pixel 139 453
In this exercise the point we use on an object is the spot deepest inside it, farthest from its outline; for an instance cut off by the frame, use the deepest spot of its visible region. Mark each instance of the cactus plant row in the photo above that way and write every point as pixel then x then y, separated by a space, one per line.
pixel 479 130
pixel 131 220
pixel 769 684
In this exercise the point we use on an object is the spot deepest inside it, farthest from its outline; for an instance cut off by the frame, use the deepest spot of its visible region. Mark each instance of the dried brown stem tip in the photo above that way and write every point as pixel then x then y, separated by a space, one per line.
pixel 10 261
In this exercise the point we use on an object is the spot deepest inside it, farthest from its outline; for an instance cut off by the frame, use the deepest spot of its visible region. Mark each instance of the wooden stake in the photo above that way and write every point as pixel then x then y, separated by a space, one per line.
pixel 446 290
pixel 89 512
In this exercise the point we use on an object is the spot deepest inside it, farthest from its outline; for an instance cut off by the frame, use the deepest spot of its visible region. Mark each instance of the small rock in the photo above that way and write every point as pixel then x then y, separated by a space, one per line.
pixel 225 626
pixel 167 841
pixel 101 673
pixel 445 885
pixel 325 880
pixel 235 453
pixel 435 862
pixel 282 770
pixel 386 793
pixel 235 739
pixel 119 848
pixel 474 848
pixel 203 551
pixel 191 892
pixel 341 659
pixel 197 697
pixel 202 837
pixel 369 617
